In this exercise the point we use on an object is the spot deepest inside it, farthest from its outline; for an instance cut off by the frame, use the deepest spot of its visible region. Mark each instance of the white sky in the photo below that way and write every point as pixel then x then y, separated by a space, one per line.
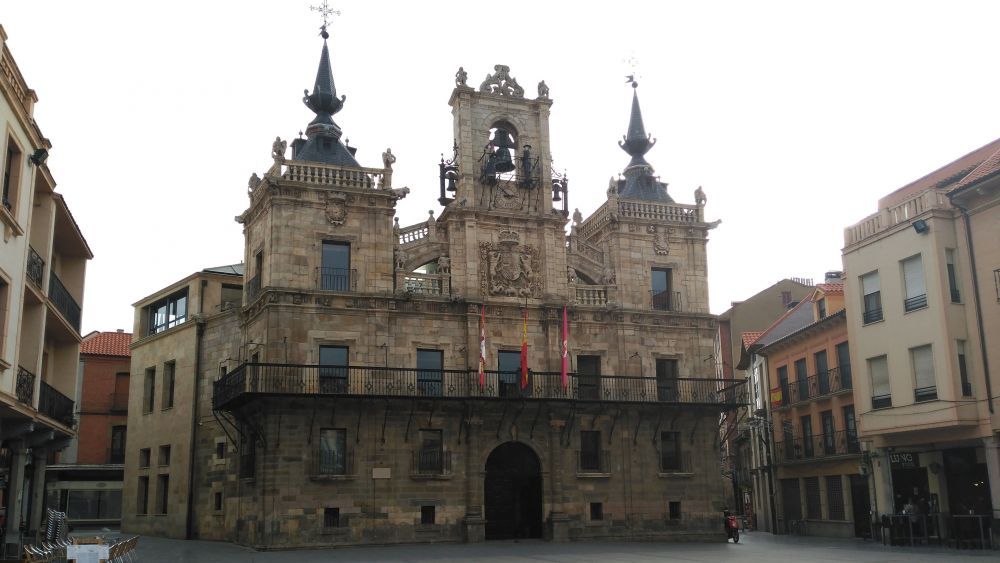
pixel 794 116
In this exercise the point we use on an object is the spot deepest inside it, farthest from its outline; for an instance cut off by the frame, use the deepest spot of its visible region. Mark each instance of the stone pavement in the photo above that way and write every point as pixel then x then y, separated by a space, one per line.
pixel 756 547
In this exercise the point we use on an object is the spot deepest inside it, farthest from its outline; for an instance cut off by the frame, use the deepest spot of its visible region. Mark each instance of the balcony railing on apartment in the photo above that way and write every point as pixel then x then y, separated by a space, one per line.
pixel 118 402
pixel 871 315
pixel 260 379
pixel 430 462
pixel 666 300
pixel 24 387
pixel 881 401
pixel 675 464
pixel 55 405
pixel 333 464
pixel 839 443
pixel 338 279
pixel 834 380
pixel 63 301
pixel 915 302
pixel 36 268
pixel 116 456
pixel 921 394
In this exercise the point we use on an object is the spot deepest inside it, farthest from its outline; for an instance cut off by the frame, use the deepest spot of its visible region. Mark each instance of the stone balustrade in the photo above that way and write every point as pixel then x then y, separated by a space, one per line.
pixel 334 176
pixel 640 210
pixel 426 284
pixel 414 233
pixel 889 217
pixel 591 295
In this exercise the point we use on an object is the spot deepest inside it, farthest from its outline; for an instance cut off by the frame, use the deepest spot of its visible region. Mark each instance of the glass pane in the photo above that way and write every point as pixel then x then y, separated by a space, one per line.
pixel 336 255
pixel 82 505
pixel 332 451
pixel 111 505
pixel 661 281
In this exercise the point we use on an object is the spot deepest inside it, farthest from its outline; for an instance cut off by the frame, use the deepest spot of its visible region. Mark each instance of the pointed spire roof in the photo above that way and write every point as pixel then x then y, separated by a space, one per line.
pixel 640 183
pixel 322 142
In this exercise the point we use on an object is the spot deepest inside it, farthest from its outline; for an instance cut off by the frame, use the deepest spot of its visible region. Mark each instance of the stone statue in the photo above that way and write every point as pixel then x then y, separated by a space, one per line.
pixel 253 183
pixel 577 217
pixel 401 258
pixel 388 159
pixel 543 90
pixel 612 186
pixel 278 149
pixel 571 275
pixel 395 228
pixel 608 276
pixel 444 265
pixel 460 77
pixel 699 197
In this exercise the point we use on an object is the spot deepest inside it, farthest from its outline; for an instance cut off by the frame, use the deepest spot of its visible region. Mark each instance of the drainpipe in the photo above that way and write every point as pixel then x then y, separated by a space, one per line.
pixel 189 524
pixel 975 299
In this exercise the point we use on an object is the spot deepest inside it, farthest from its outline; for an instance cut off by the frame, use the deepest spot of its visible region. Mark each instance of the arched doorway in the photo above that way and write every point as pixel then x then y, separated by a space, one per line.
pixel 513 493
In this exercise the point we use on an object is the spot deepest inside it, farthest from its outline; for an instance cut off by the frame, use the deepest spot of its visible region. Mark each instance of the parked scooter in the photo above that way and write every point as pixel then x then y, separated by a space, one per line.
pixel 732 527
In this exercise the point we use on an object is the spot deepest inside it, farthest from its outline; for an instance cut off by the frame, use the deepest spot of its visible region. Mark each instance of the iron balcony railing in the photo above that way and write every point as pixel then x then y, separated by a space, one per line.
pixel 253 288
pixel 921 394
pixel 24 388
pixel 430 462
pixel 833 380
pixel 338 279
pixel 118 402
pixel 36 268
pixel 675 463
pixel 593 461
pixel 54 404
pixel 882 401
pixel 263 379
pixel 63 301
pixel 665 300
pixel 332 464
pixel 839 443
pixel 872 315
pixel 116 456
pixel 915 302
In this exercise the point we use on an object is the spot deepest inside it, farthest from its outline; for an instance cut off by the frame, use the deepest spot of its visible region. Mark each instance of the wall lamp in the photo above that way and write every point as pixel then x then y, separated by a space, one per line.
pixel 921 226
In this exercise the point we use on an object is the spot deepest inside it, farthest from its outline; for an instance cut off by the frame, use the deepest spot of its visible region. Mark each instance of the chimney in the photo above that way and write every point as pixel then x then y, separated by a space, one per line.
pixel 121 330
pixel 834 276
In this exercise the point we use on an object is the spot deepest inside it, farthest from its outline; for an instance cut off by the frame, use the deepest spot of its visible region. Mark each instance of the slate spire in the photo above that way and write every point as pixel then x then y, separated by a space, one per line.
pixel 323 101
pixel 640 183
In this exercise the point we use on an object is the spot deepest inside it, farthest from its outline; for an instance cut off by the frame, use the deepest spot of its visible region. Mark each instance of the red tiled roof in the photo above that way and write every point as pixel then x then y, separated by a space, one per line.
pixel 944 177
pixel 750 337
pixel 986 168
pixel 830 288
pixel 107 344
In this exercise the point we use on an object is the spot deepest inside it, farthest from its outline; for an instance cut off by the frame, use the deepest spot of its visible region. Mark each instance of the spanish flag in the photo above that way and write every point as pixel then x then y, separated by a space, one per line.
pixel 524 352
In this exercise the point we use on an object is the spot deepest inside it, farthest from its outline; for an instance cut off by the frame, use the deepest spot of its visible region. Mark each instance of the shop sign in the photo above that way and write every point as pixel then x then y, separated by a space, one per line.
pixel 904 460
pixel 776 398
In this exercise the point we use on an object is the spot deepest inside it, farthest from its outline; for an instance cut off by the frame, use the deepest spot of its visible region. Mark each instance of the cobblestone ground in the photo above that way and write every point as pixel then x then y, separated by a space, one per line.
pixel 753 548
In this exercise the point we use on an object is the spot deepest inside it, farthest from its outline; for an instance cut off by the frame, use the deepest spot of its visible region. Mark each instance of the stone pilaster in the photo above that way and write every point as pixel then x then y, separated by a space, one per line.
pixel 558 523
pixel 474 521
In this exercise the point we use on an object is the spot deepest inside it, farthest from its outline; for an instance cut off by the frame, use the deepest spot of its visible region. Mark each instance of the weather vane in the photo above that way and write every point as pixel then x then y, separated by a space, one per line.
pixel 325 11
pixel 632 61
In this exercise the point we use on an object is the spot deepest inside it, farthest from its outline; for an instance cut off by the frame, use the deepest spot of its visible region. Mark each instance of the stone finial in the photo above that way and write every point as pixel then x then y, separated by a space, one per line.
pixel 461 77
pixel 543 90
pixel 502 83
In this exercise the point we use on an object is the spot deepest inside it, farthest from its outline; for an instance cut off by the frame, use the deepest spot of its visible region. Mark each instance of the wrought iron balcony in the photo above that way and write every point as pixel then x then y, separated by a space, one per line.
pixel 253 288
pixel 833 380
pixel 675 464
pixel 25 386
pixel 881 401
pixel 872 315
pixel 666 300
pixel 333 464
pixel 338 279
pixel 430 463
pixel 261 379
pixel 914 303
pixel 63 301
pixel 921 394
pixel 594 462
pixel 817 446
pixel 36 268
pixel 55 405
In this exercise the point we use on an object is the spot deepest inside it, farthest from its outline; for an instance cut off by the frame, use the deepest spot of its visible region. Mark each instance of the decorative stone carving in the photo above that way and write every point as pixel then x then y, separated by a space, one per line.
pixel 253 183
pixel 278 148
pixel 502 83
pixel 608 276
pixel 399 193
pixel 461 77
pixel 699 197
pixel 444 265
pixel 661 240
pixel 577 217
pixel 336 209
pixel 571 275
pixel 401 257
pixel 395 230
pixel 509 268
pixel 388 159
pixel 543 90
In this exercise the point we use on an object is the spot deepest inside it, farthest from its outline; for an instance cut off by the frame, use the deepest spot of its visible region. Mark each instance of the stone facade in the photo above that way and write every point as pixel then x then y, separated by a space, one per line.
pixel 343 403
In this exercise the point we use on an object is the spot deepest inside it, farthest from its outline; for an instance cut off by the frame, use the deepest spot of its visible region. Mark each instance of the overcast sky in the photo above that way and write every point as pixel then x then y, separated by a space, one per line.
pixel 795 117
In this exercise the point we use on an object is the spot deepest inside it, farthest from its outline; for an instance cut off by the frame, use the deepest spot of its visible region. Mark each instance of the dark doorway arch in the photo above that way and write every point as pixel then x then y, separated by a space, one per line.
pixel 513 493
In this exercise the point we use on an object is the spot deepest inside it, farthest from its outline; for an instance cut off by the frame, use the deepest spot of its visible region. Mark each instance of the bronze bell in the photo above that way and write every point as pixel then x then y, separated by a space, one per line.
pixel 501 157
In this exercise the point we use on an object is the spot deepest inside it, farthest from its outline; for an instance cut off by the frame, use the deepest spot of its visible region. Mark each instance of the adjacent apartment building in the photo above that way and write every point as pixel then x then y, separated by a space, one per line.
pixel 923 274
pixel 43 260
pixel 478 375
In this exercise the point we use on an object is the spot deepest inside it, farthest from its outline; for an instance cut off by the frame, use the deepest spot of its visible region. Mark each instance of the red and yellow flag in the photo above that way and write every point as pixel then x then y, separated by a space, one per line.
pixel 524 352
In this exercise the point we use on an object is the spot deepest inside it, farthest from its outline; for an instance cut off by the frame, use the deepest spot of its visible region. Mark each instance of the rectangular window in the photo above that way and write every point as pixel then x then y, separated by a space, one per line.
pixel 851 429
pixel 162 493
pixel 333 373
pixel 590 450
pixel 116 454
pixel 675 510
pixel 821 308
pixel 792 497
pixel 335 273
pixel 666 380
pixel 835 497
pixel 164 458
pixel 596 511
pixel 430 456
pixel 168 312
pixel 822 372
pixel 813 507
pixel 844 365
pixel 913 280
pixel 807 435
pixel 788 435
pixel 427 515
pixel 670 452
pixel 332 451
pixel 963 370
pixel 949 256
pixel 430 364
pixel 872 300
pixel 331 517
pixel 149 391
pixel 924 386
pixel 662 291
pixel 829 445
pixel 169 369
pixel 217 504
pixel 878 369
pixel 119 399
pixel 4 296
pixel 220 450
pixel 232 297
pixel 142 496
pixel 144 458
pixel 801 380
pixel 783 383
pixel 11 175
pixel 588 374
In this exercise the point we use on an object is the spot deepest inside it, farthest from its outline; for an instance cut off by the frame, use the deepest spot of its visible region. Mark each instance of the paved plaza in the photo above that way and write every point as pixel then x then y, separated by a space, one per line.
pixel 753 548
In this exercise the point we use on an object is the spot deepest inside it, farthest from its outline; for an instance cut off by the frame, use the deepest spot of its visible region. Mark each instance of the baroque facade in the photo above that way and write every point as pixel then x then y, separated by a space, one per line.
pixel 368 387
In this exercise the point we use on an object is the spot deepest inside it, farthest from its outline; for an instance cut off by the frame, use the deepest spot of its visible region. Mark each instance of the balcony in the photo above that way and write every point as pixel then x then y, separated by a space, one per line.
pixel 338 279
pixel 64 302
pixel 818 446
pixel 253 288
pixel 922 394
pixel 25 386
pixel 423 284
pixel 55 405
pixel 665 300
pixel 430 463
pixel 118 402
pixel 270 380
pixel 36 268
pixel 871 316
pixel 675 464
pixel 327 464
pixel 116 456
pixel 915 302
pixel 881 401
pixel 591 462
pixel 830 382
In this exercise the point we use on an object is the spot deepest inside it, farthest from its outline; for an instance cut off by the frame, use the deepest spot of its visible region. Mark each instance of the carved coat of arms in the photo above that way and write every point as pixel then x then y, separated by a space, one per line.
pixel 508 268
pixel 336 210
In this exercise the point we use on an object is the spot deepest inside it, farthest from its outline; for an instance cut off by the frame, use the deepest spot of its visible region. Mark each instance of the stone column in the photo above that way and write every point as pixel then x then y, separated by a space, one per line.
pixel 992 452
pixel 475 522
pixel 558 525
pixel 37 488
pixel 19 457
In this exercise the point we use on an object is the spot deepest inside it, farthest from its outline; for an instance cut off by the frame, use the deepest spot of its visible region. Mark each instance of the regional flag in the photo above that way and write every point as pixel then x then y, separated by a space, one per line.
pixel 482 345
pixel 524 352
pixel 565 350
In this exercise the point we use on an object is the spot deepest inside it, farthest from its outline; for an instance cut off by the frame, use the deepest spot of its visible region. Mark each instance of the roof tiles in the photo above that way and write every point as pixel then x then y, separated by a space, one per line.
pixel 107 344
